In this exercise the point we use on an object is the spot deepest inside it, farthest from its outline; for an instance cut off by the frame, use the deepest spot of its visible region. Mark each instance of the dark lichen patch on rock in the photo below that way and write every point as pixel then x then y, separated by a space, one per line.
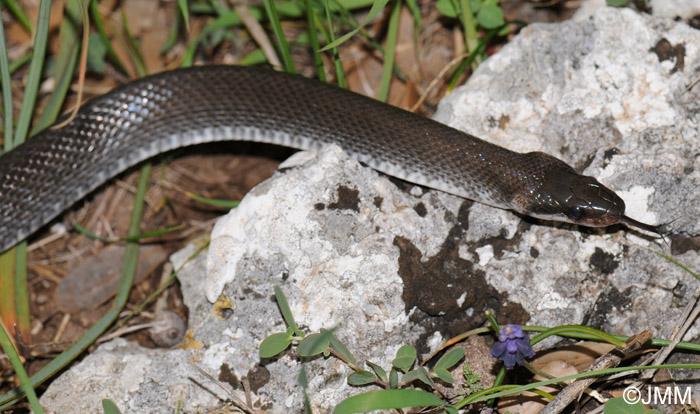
pixel 227 375
pixel 348 199
pixel 604 262
pixel 611 301
pixel 449 295
pixel 420 209
pixel 681 243
pixel 258 377
pixel 501 243
pixel 320 206
pixel 664 50
pixel 609 153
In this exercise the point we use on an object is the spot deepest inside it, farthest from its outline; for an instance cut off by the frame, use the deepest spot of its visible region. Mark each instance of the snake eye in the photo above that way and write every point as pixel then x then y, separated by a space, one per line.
pixel 576 213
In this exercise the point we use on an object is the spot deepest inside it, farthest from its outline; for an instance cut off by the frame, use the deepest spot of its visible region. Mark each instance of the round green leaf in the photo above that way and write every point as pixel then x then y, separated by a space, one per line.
pixel 361 378
pixel 405 357
pixel 490 16
pixel 274 344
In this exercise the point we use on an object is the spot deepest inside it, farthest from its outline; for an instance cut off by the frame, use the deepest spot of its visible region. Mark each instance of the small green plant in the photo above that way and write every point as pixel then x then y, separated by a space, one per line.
pixel 472 382
pixel 404 368
pixel 403 372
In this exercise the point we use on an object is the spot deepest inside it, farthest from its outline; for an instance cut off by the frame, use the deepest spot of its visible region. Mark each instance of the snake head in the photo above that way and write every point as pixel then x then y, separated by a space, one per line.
pixel 565 195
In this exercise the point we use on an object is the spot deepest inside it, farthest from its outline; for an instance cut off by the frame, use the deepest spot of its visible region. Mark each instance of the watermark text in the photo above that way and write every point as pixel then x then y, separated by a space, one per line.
pixel 658 395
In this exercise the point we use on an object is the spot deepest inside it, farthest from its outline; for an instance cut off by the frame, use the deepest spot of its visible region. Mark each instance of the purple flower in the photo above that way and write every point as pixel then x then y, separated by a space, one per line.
pixel 512 346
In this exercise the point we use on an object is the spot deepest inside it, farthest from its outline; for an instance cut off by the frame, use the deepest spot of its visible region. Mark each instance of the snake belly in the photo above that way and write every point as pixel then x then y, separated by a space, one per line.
pixel 50 172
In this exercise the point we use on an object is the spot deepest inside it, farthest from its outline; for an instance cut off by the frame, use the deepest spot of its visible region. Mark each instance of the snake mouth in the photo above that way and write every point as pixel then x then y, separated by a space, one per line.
pixel 600 221
pixel 630 222
pixel 603 221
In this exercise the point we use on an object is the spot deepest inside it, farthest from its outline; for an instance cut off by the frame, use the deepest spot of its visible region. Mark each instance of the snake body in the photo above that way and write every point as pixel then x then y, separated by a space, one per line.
pixel 43 177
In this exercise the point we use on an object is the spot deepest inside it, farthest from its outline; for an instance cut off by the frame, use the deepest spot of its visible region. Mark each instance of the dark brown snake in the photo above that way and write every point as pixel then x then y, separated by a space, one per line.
pixel 43 177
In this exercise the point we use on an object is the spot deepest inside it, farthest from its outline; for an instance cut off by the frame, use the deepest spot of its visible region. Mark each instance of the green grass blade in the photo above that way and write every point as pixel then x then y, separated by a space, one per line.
pixel 388 67
pixel 569 329
pixel 373 12
pixel 137 309
pixel 24 313
pixel 489 394
pixel 218 7
pixel 35 68
pixel 228 204
pixel 224 21
pixel 339 73
pixel 99 24
pixel 290 9
pixel 69 40
pixel 481 46
pixel 584 334
pixel 256 57
pixel 154 233
pixel 415 12
pixel 19 14
pixel 132 48
pixel 312 18
pixel 174 34
pixel 87 233
pixel 282 44
pixel 184 13
pixel 677 263
pixel 132 249
pixel 469 24
pixel 6 83
pixel 8 308
pixel 16 362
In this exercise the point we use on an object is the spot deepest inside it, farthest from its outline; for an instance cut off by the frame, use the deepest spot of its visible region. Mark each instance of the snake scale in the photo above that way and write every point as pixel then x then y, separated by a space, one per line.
pixel 50 172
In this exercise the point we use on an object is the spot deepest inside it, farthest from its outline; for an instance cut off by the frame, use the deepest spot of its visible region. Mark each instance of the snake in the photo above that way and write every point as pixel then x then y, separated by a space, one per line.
pixel 50 172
